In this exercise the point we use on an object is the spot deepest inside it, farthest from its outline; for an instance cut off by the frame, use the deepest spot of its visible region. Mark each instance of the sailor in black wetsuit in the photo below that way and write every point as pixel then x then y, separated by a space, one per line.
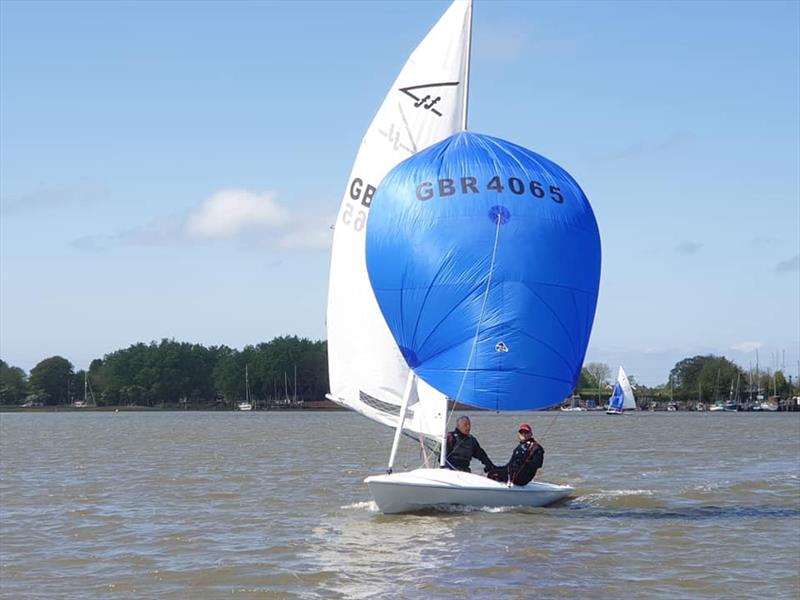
pixel 526 459
pixel 462 448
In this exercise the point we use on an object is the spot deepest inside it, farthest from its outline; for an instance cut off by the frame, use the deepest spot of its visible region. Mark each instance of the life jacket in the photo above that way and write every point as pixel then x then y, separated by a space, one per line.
pixel 461 449
pixel 523 469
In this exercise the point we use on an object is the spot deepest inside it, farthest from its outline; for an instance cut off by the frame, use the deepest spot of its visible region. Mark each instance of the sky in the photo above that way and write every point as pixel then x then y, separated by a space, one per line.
pixel 172 169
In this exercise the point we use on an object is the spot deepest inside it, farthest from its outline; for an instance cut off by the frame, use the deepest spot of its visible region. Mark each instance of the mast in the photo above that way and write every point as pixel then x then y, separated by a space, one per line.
pixel 86 387
pixel 443 444
pixel 403 409
pixel 466 68
pixel 758 378
pixel 294 389
pixel 246 386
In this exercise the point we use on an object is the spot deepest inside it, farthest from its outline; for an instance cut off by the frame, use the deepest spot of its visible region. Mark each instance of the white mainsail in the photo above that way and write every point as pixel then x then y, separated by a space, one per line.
pixel 426 104
pixel 629 402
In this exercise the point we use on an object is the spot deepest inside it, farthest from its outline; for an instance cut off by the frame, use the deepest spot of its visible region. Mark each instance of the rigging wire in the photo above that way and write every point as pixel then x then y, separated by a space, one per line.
pixel 552 422
pixel 480 318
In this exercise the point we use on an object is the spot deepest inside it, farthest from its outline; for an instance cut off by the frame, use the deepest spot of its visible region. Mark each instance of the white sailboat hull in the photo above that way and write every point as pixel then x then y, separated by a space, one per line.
pixel 431 488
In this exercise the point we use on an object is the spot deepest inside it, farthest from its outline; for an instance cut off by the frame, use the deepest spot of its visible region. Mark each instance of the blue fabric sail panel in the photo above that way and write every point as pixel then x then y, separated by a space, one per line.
pixel 617 397
pixel 436 222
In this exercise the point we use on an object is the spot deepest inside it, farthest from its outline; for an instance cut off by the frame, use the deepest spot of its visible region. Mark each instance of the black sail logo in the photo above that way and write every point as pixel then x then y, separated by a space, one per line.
pixel 426 96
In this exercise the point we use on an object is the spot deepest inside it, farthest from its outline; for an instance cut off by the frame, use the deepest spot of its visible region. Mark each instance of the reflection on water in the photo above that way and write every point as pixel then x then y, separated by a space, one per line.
pixel 273 505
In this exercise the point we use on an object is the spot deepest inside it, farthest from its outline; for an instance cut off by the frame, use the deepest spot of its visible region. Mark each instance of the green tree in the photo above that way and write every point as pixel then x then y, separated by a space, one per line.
pixel 12 384
pixel 229 375
pixel 599 372
pixel 51 381
pixel 705 378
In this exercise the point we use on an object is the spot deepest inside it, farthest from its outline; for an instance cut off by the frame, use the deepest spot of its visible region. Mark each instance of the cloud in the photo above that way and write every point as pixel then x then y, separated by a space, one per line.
pixel 747 346
pixel 504 44
pixel 789 265
pixel 230 213
pixel 251 219
pixel 764 240
pixel 659 351
pixel 639 149
pixel 158 232
pixel 688 247
pixel 80 193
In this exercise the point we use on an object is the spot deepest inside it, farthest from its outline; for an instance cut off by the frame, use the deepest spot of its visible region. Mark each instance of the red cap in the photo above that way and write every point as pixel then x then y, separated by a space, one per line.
pixel 525 428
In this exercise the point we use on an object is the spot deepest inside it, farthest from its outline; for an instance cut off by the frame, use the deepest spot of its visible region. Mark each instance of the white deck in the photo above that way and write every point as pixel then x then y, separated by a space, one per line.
pixel 430 488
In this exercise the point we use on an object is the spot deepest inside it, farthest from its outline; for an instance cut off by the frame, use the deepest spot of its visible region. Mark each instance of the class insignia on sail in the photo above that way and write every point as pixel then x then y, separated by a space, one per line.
pixel 484 258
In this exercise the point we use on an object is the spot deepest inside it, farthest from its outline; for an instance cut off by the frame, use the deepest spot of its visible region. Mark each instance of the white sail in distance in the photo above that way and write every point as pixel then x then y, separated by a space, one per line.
pixel 629 402
pixel 426 104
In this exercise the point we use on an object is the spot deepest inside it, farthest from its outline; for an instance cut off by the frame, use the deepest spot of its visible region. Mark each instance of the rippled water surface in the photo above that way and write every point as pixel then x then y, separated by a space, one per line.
pixel 272 505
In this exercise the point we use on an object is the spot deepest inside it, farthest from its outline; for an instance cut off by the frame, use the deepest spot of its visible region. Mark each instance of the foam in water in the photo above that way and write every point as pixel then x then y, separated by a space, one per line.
pixel 601 495
pixel 369 505
pixel 459 508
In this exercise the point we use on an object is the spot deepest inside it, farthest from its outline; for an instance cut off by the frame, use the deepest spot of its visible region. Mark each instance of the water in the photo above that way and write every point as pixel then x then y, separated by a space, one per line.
pixel 272 505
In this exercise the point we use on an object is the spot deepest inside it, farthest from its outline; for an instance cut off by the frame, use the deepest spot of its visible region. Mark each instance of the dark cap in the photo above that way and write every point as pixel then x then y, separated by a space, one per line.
pixel 525 428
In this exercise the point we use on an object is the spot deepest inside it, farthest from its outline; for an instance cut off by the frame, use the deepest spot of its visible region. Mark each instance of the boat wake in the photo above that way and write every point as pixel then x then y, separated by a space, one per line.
pixel 456 509
pixel 368 505
pixel 615 499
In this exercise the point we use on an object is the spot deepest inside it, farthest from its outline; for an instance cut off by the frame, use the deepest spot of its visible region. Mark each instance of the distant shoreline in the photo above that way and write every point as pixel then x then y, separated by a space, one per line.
pixel 333 408
pixel 72 409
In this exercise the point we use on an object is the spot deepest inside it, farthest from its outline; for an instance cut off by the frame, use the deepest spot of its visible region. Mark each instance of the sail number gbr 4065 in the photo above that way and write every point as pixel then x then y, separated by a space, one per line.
pixel 356 217
pixel 427 190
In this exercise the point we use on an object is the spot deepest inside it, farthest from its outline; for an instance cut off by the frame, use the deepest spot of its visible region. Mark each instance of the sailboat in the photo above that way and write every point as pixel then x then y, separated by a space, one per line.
pixel 248 403
pixel 416 312
pixel 88 394
pixel 573 406
pixel 622 398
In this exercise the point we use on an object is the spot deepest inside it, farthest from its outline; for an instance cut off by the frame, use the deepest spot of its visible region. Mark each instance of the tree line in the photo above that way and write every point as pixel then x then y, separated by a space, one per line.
pixel 702 378
pixel 170 373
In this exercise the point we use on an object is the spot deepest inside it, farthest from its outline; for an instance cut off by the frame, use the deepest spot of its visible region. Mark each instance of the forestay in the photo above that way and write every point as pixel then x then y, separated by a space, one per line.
pixel 425 104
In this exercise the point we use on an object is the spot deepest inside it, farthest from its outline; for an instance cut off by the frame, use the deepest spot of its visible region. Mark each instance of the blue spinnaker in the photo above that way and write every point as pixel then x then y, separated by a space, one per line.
pixel 617 397
pixel 485 261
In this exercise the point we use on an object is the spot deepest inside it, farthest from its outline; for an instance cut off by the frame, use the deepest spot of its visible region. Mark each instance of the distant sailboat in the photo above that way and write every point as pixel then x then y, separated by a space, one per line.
pixel 622 397
pixel 287 399
pixel 88 394
pixel 247 404
pixel 573 405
